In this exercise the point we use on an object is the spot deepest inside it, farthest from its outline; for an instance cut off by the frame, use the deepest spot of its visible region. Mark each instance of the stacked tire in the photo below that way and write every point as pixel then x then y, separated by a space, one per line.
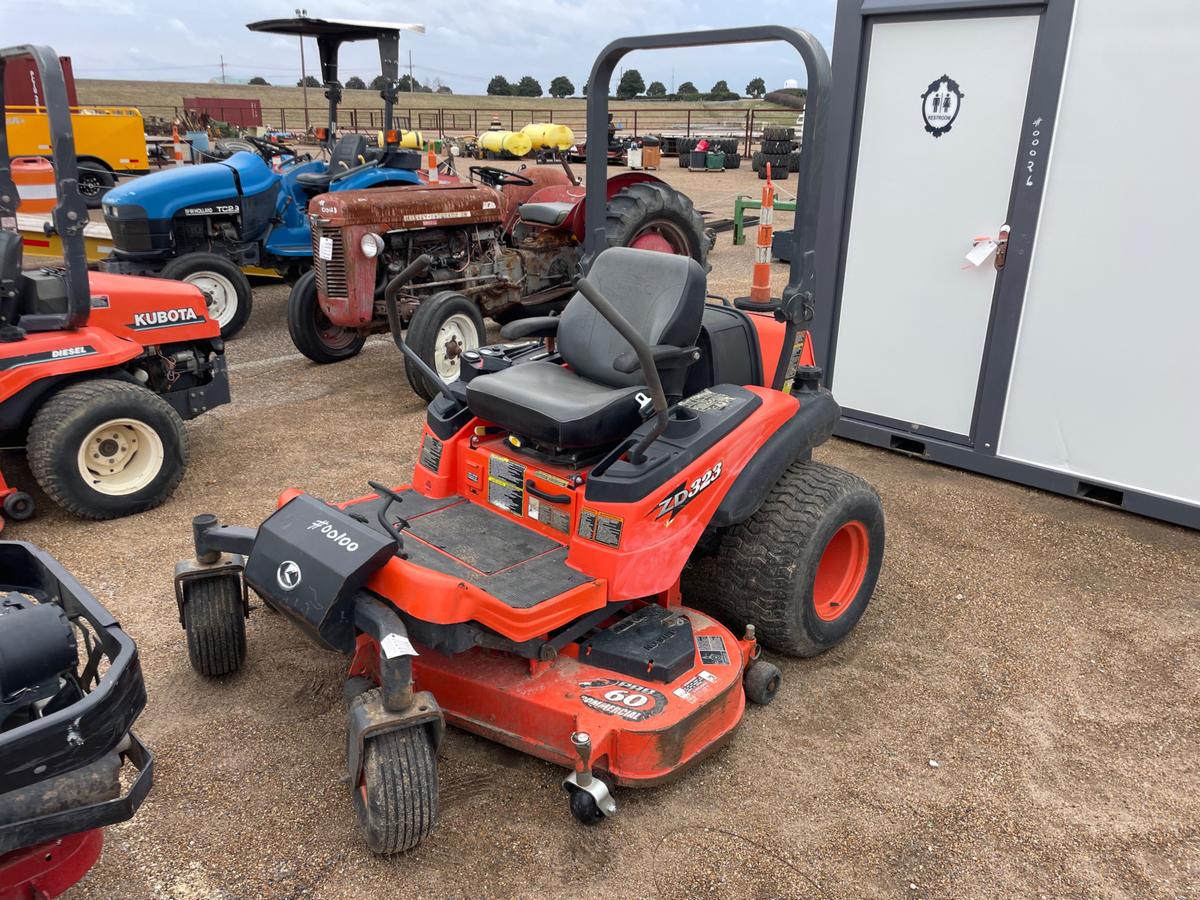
pixel 777 151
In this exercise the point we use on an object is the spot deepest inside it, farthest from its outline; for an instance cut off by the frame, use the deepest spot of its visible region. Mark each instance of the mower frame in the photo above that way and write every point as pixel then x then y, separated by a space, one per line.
pixel 80 734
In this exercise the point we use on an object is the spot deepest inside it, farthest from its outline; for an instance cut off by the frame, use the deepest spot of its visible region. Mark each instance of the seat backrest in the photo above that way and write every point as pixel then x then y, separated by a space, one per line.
pixel 347 152
pixel 662 296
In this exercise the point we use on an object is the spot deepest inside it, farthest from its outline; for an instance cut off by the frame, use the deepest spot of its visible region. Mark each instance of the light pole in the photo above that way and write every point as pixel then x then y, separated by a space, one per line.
pixel 303 14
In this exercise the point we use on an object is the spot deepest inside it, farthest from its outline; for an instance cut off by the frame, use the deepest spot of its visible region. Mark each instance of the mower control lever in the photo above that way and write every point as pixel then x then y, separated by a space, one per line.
pixel 645 355
pixel 392 497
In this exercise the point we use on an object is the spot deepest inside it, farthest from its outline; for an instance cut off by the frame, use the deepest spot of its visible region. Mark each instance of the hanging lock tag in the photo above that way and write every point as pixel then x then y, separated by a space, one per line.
pixel 983 247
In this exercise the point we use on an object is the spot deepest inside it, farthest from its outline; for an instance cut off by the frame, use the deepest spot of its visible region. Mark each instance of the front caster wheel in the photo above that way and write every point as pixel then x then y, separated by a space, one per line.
pixel 584 807
pixel 397 795
pixel 215 621
pixel 19 506
pixel 762 682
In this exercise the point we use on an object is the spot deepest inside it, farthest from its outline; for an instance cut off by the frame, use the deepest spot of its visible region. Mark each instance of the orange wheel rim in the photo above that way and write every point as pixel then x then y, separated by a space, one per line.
pixel 841 571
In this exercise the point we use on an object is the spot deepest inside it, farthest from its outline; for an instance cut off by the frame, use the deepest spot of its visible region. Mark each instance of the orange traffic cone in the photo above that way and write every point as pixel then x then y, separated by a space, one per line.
pixel 431 165
pixel 178 144
pixel 760 288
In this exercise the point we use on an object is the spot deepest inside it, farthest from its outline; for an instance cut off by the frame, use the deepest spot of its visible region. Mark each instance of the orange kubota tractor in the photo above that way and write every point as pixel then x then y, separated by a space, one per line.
pixel 97 371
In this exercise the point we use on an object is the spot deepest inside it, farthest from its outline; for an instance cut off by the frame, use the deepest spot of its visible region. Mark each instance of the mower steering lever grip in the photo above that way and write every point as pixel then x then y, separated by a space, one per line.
pixel 645 357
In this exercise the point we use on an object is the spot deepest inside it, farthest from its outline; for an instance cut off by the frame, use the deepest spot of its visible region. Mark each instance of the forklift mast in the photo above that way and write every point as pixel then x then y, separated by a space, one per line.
pixel 70 215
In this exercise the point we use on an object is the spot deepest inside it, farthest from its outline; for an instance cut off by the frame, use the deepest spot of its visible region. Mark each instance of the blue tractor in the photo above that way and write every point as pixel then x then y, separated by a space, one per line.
pixel 203 224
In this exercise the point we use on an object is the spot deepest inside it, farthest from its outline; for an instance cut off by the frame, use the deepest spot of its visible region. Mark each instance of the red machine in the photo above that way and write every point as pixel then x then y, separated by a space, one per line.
pixel 505 244
pixel 97 372
pixel 530 583
pixel 70 689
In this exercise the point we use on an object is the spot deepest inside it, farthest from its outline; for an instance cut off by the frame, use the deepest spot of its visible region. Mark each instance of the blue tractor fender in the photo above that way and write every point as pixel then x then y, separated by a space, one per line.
pixel 373 177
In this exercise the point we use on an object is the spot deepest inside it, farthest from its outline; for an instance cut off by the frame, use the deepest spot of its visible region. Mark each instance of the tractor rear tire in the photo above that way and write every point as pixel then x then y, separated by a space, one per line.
pixel 733 161
pixel 802 568
pixel 397 796
pixel 445 317
pixel 103 449
pixel 654 216
pixel 778 133
pixel 215 621
pixel 776 148
pixel 225 287
pixel 312 332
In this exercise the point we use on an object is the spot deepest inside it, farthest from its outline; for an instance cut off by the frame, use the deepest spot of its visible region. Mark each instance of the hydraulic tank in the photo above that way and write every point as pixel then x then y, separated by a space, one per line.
pixel 549 136
pixel 513 143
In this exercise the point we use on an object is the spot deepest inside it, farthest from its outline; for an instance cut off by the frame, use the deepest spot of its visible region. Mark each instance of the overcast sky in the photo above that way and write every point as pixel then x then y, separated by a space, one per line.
pixel 465 44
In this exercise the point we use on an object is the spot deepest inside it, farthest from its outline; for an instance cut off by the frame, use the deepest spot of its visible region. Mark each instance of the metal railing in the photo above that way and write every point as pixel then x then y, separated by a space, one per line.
pixel 672 119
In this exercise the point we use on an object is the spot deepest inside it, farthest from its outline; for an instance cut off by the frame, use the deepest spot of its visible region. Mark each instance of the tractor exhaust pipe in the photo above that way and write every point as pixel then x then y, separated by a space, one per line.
pixel 414 269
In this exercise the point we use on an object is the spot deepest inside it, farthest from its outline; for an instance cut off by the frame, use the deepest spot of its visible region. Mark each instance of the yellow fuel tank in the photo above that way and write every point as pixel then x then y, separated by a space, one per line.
pixel 549 136
pixel 409 140
pixel 512 142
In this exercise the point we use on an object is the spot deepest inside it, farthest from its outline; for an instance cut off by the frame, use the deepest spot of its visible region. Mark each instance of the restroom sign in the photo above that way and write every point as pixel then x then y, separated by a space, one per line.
pixel 940 104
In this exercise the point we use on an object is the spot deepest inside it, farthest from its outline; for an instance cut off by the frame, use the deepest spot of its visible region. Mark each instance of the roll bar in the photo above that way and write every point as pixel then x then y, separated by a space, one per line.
pixel 801 282
pixel 70 215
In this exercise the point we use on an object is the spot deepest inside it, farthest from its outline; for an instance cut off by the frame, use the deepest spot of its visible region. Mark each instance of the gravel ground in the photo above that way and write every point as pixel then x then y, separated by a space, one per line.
pixel 1016 714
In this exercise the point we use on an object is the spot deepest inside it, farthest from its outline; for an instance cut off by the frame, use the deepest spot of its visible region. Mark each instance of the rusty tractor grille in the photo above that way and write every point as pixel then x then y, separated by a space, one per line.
pixel 330 273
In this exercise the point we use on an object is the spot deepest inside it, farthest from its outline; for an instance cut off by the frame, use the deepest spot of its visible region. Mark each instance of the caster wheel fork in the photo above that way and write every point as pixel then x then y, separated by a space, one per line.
pixel 590 798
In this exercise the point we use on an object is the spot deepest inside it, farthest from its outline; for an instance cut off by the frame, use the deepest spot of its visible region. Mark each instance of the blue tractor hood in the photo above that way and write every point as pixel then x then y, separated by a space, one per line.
pixel 164 193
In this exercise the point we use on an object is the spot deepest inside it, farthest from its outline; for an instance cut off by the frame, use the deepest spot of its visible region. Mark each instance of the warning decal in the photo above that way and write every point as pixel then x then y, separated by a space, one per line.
pixel 712 650
pixel 623 699
pixel 596 526
pixel 506 485
pixel 431 453
pixel 692 689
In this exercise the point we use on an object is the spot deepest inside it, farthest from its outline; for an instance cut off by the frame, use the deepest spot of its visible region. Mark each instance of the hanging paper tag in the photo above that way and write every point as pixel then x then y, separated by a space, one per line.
pixel 981 252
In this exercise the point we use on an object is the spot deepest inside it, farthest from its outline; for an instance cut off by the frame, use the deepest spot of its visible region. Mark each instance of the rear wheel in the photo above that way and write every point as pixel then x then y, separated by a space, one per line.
pixel 802 568
pixel 650 215
pixel 396 797
pixel 103 449
pixel 215 622
pixel 225 287
pixel 443 327
pixel 312 332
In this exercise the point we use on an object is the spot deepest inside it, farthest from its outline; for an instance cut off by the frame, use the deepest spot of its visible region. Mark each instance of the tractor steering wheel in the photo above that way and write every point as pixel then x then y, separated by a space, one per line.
pixel 497 177
pixel 268 149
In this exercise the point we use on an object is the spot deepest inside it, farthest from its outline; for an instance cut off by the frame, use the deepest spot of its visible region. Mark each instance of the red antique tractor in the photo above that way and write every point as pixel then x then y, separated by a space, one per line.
pixel 504 244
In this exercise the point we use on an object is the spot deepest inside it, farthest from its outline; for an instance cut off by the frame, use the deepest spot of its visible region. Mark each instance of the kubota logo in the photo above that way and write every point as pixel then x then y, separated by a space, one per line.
pixel 165 318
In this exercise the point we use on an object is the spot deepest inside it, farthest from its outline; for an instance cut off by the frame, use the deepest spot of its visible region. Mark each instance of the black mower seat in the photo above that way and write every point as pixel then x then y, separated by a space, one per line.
pixel 545 213
pixel 350 151
pixel 591 404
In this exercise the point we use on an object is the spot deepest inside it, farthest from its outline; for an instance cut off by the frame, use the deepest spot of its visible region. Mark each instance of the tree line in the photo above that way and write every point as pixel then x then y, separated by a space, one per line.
pixel 630 86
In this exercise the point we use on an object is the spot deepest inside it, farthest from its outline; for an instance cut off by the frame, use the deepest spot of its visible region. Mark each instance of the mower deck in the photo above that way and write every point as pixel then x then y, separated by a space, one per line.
pixel 643 732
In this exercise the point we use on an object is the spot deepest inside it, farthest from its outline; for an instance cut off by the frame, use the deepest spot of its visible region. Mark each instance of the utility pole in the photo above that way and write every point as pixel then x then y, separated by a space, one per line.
pixel 223 81
pixel 410 75
pixel 672 79
pixel 303 13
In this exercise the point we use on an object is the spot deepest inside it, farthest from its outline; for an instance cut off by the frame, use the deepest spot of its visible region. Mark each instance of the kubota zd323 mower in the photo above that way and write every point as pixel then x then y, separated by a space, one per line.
pixel 526 584
pixel 97 371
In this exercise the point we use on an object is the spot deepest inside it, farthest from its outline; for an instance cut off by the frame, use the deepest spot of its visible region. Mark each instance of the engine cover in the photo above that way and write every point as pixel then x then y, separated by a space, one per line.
pixel 395 209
